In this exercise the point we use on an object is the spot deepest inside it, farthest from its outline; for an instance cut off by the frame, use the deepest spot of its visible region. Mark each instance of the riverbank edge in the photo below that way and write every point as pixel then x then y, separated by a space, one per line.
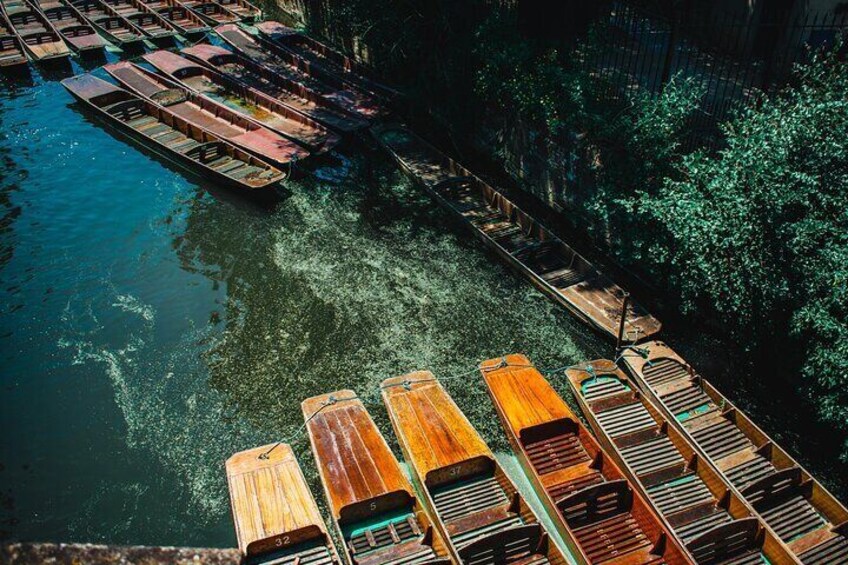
pixel 19 553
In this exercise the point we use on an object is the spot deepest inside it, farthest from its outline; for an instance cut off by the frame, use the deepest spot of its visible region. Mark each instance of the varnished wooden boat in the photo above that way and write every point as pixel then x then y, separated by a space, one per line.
pixel 210 11
pixel 712 521
pixel 71 25
pixel 285 91
pixel 246 101
pixel 109 23
pixel 246 11
pixel 152 24
pixel 583 490
pixel 11 49
pixel 376 512
pixel 554 267
pixel 37 35
pixel 793 505
pixel 276 519
pixel 178 16
pixel 319 56
pixel 207 114
pixel 283 63
pixel 478 508
pixel 171 136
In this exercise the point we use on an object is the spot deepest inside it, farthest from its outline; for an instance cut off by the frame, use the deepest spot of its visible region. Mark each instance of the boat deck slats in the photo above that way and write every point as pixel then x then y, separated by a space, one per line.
pixel 462 539
pixel 652 455
pixel 555 453
pixel 520 551
pixel 679 494
pixel 686 400
pixel 792 518
pixel 595 389
pixel 610 538
pixel 752 470
pixel 835 550
pixel 625 419
pixel 319 555
pixel 702 525
pixel 560 491
pixel 468 497
pixel 423 555
pixel 721 439
pixel 387 534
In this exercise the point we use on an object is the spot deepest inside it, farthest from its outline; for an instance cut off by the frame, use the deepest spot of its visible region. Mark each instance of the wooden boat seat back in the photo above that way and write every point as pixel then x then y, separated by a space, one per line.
pixel 514 545
pixel 448 449
pixel 738 541
pixel 596 503
pixel 39 37
pixel 353 456
pixel 272 505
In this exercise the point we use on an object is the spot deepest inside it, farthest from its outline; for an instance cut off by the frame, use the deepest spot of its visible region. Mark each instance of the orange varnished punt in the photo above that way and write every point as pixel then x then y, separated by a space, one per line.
pixel 554 267
pixel 712 521
pixel 276 518
pixel 792 504
pixel 593 505
pixel 479 509
pixel 372 503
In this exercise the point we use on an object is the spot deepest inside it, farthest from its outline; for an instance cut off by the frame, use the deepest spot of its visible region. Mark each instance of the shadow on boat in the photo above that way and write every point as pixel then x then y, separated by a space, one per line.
pixel 260 201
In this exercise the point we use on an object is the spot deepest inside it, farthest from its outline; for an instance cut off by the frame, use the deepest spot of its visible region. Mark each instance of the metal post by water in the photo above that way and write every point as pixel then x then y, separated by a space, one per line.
pixel 625 304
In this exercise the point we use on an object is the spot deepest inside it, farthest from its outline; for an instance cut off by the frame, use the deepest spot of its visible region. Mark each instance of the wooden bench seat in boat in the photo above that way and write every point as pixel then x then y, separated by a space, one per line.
pixel 478 509
pixel 373 506
pixel 276 518
pixel 554 267
pixel 593 506
pixel 805 518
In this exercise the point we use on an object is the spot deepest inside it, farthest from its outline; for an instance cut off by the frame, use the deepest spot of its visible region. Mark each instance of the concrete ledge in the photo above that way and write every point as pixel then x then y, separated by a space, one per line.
pixel 88 554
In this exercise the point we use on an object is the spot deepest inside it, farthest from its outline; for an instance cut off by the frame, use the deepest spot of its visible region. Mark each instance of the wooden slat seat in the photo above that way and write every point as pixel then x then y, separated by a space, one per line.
pixel 702 525
pixel 318 555
pixel 396 531
pixel 751 471
pixel 470 536
pixel 687 399
pixel 467 497
pixel 835 550
pixel 611 538
pixel 625 419
pixel 721 439
pixel 792 518
pixel 652 455
pixel 554 453
pixel 601 387
pixel 560 491
pixel 676 495
pixel 518 546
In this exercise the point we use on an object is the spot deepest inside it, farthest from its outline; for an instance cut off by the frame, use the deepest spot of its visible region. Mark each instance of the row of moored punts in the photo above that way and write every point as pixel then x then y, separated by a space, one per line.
pixel 261 114
pixel 648 490
pixel 46 30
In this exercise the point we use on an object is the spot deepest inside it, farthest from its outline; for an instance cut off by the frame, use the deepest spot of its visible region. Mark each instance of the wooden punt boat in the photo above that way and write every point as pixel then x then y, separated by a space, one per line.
pixel 207 114
pixel 793 505
pixel 210 11
pixel 246 11
pixel 71 25
pixel 39 38
pixel 109 23
pixel 290 93
pixel 277 521
pixel 11 49
pixel 713 522
pixel 321 57
pixel 477 507
pixel 374 508
pixel 171 136
pixel 583 490
pixel 554 267
pixel 152 24
pixel 178 16
pixel 246 101
pixel 334 91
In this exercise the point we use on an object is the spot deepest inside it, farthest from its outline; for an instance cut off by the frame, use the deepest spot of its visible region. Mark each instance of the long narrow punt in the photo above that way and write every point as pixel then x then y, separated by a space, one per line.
pixel 554 267
pixel 583 490
pixel 178 16
pixel 707 516
pixel 246 11
pixel 478 508
pixel 171 136
pixel 245 100
pixel 793 505
pixel 152 24
pixel 372 503
pixel 210 11
pixel 263 80
pixel 11 49
pixel 71 25
pixel 37 35
pixel 322 57
pixel 285 64
pixel 205 113
pixel 109 23
pixel 277 521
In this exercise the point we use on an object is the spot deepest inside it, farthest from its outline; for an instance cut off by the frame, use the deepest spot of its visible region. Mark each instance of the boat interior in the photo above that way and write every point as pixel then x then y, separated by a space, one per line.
pixel 802 513
pixel 115 26
pixel 11 50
